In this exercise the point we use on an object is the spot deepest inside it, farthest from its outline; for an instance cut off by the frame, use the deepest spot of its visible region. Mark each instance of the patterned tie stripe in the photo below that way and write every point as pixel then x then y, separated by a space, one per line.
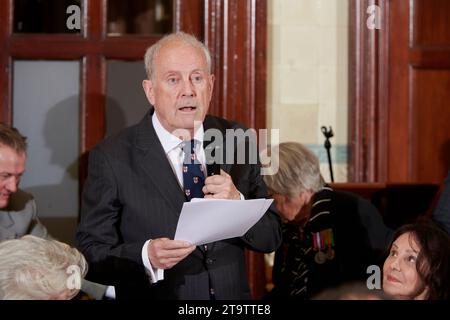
pixel 193 175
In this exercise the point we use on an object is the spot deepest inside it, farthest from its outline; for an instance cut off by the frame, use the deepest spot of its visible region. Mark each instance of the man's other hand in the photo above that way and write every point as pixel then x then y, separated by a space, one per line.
pixel 221 187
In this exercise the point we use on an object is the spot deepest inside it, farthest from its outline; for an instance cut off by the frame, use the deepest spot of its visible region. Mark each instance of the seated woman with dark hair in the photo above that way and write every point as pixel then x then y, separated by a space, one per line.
pixel 418 265
pixel 32 268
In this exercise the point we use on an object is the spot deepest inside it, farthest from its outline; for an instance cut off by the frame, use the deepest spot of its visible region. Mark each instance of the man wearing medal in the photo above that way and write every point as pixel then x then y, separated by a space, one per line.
pixel 329 237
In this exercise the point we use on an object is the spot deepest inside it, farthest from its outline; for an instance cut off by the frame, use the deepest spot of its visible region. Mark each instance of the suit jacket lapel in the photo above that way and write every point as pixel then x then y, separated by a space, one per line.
pixel 211 123
pixel 155 164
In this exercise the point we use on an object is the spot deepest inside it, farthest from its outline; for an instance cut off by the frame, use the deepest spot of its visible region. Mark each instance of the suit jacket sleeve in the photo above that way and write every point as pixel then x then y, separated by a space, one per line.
pixel 265 235
pixel 98 235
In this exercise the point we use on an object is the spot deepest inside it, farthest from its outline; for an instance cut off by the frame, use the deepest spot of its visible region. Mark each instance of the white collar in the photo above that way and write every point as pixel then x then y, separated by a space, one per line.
pixel 168 140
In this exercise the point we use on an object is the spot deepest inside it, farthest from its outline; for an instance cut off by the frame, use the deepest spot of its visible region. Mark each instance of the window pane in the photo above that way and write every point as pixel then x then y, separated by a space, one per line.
pixel 47 16
pixel 126 103
pixel 46 111
pixel 139 17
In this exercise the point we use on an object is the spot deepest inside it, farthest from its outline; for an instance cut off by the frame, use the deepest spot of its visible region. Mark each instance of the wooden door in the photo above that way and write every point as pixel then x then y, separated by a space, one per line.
pixel 400 92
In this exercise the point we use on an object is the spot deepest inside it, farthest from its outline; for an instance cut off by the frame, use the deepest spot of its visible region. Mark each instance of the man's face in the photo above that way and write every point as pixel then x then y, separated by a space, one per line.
pixel 181 87
pixel 12 166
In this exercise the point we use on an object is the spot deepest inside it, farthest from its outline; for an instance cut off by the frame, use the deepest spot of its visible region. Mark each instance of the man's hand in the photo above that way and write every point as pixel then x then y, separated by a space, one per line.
pixel 165 253
pixel 220 187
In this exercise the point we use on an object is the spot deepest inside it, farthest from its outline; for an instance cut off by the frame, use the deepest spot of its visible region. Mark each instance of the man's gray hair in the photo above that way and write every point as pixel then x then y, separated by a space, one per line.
pixel 153 51
pixel 299 171
pixel 33 268
pixel 12 138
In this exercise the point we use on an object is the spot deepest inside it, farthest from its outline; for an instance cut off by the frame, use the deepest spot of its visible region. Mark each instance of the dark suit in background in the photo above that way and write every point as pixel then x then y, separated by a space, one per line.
pixel 442 212
pixel 132 195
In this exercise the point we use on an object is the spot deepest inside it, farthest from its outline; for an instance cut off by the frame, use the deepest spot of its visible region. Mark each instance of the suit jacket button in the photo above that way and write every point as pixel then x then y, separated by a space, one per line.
pixel 209 261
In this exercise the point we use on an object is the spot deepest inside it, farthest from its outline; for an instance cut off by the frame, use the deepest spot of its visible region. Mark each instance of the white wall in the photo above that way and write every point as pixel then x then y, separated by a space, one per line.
pixel 307 84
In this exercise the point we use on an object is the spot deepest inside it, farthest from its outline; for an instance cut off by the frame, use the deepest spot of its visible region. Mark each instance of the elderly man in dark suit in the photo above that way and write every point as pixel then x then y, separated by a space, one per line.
pixel 136 188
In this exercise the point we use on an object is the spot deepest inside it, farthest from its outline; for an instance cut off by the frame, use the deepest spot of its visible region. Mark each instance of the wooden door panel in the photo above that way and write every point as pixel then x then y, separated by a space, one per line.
pixel 430 132
pixel 430 25
pixel 403 80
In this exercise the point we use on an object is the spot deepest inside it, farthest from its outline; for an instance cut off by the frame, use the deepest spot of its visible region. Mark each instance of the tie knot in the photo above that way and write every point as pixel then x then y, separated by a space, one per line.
pixel 189 146
pixel 189 151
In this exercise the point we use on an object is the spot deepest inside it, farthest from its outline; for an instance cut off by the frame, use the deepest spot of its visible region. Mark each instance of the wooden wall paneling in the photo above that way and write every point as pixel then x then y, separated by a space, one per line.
pixel 430 23
pixel 430 106
pixel 260 42
pixel 189 16
pixel 399 92
pixel 239 58
pixel 426 57
pixel 216 28
pixel 399 147
pixel 5 61
pixel 368 92
pixel 236 33
pixel 93 85
pixel 429 60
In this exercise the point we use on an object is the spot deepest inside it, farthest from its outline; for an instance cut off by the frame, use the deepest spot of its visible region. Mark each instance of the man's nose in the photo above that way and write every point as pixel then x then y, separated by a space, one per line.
pixel 12 184
pixel 187 89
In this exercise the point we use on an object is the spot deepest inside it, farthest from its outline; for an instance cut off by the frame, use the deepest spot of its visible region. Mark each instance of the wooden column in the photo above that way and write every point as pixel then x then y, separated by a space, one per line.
pixel 236 33
pixel 5 61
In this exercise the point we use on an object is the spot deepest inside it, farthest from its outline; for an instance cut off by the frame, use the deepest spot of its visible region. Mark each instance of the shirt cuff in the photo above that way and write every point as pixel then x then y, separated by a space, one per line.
pixel 110 292
pixel 154 274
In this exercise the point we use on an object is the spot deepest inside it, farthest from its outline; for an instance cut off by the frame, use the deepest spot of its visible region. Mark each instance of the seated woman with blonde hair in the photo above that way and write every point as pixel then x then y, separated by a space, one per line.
pixel 418 265
pixel 32 268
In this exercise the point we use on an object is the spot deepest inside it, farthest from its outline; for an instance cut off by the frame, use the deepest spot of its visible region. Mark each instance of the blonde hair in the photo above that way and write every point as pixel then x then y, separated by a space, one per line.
pixel 153 51
pixel 298 170
pixel 32 268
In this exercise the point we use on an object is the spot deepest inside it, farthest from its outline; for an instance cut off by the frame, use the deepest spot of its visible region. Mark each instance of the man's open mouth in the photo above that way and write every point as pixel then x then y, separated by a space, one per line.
pixel 187 109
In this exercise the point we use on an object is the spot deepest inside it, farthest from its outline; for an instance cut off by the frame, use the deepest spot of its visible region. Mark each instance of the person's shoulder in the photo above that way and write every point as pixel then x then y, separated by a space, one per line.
pixel 118 139
pixel 19 200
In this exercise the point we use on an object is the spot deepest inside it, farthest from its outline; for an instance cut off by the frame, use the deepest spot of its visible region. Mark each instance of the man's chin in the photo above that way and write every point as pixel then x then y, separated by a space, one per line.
pixel 191 123
pixel 4 201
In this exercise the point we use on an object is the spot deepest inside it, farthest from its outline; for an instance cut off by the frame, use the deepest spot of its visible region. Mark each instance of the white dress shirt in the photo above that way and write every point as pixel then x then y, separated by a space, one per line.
pixel 172 147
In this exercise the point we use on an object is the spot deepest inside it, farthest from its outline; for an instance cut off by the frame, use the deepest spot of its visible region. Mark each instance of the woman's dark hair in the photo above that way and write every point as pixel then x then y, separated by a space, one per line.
pixel 433 261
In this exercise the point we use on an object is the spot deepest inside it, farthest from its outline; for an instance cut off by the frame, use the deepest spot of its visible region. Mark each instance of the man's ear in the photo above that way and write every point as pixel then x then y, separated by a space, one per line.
pixel 212 79
pixel 149 92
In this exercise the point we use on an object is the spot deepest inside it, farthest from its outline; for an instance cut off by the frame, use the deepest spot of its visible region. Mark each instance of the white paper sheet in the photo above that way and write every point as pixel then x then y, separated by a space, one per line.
pixel 207 220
